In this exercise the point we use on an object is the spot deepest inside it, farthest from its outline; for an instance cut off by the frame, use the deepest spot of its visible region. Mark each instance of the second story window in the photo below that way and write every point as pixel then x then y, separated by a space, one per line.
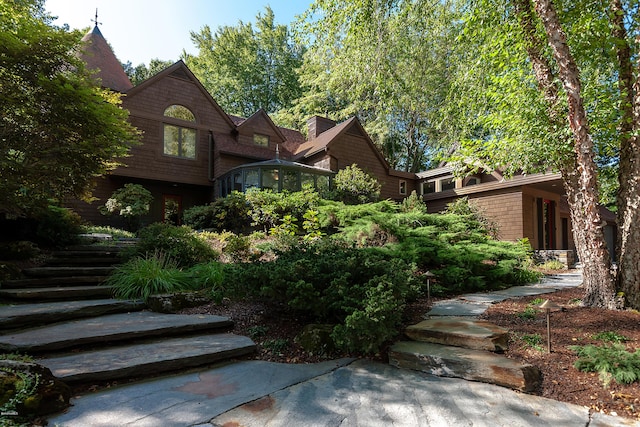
pixel 179 132
pixel 260 139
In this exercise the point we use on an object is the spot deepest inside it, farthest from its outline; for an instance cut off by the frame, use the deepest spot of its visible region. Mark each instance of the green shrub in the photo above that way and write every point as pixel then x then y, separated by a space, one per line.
pixel 413 203
pixel 463 207
pixel 529 313
pixel 269 209
pixel 354 186
pixel 533 340
pixel 611 362
pixel 552 264
pixel 58 227
pixel 229 213
pixel 238 248
pixel 456 248
pixel 131 202
pixel 363 290
pixel 181 244
pixel 153 274
pixel 18 250
pixel 610 336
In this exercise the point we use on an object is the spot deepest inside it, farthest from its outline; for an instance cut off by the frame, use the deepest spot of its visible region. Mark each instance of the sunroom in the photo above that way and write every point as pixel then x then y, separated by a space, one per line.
pixel 277 175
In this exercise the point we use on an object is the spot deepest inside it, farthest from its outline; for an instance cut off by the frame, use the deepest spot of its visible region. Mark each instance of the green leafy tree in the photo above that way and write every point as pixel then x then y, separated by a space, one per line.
pixel 131 202
pixel 553 85
pixel 389 63
pixel 142 72
pixel 58 129
pixel 247 69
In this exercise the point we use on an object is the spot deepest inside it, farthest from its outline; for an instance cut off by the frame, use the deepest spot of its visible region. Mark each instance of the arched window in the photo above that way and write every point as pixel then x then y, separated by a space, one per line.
pixel 179 137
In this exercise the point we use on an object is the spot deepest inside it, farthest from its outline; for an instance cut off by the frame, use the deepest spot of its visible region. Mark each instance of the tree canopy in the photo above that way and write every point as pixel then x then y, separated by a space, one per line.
pixel 58 128
pixel 389 63
pixel 247 69
pixel 141 72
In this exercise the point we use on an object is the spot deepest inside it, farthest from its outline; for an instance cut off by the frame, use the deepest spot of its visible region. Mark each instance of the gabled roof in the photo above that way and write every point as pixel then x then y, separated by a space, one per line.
pixel 181 71
pixel 326 138
pixel 323 140
pixel 99 57
pixel 261 114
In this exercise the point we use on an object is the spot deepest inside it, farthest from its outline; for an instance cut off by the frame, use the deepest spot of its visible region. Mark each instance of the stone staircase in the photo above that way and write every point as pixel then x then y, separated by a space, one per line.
pixel 76 273
pixel 452 342
pixel 60 315
pixel 463 348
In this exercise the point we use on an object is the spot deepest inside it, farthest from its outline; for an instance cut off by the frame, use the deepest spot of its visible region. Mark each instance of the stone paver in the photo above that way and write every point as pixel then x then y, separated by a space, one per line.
pixel 460 332
pixel 376 395
pixel 139 359
pixel 188 399
pixel 457 362
pixel 475 304
pixel 21 315
pixel 456 308
pixel 103 328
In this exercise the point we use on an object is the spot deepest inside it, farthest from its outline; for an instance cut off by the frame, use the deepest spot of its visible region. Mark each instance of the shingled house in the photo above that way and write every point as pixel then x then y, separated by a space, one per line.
pixel 192 151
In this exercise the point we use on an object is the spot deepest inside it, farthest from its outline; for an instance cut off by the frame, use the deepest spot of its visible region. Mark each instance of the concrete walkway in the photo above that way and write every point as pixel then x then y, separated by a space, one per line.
pixel 341 393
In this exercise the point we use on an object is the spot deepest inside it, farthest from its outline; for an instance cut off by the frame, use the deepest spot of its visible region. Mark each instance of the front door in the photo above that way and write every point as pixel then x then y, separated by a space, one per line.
pixel 546 224
pixel 172 209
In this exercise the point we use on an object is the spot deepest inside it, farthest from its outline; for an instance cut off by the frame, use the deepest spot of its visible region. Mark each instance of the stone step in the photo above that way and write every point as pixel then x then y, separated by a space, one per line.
pixel 149 358
pixel 31 315
pixel 457 362
pixel 109 328
pixel 88 251
pixel 460 332
pixel 58 293
pixel 67 271
pixel 84 261
pixel 43 282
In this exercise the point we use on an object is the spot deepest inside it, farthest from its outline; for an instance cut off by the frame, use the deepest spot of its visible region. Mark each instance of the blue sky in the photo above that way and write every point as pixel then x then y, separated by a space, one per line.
pixel 141 30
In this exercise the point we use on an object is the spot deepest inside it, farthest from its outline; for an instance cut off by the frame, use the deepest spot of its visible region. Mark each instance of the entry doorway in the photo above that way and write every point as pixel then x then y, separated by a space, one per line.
pixel 172 209
pixel 546 224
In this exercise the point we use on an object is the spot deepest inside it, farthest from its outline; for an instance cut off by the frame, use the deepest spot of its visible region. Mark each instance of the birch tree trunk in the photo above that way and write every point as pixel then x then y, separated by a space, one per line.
pixel 628 200
pixel 581 183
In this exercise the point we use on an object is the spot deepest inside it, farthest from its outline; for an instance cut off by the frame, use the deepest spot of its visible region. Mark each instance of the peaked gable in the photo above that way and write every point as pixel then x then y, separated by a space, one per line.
pixel 179 70
pixel 329 137
pixel 258 118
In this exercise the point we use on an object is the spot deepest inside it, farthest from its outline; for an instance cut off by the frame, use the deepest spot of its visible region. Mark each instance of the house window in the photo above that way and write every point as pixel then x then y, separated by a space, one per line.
pixel 270 179
pixel 447 184
pixel 403 187
pixel 428 187
pixel 472 181
pixel 179 138
pixel 251 178
pixel 260 139
pixel 290 180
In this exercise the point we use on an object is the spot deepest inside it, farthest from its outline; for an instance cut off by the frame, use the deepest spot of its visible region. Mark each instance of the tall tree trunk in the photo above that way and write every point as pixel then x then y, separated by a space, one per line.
pixel 581 183
pixel 628 201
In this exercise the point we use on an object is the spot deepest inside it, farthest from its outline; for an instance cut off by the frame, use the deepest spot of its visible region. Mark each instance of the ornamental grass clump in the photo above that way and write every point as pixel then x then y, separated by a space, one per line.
pixel 153 274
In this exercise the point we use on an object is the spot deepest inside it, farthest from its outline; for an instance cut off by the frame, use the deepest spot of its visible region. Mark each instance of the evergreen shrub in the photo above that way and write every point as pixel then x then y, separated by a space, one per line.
pixel 230 213
pixel 364 291
pixel 58 227
pixel 180 243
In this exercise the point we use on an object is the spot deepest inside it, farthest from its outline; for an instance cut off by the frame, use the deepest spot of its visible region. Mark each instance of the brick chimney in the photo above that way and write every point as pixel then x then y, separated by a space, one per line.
pixel 316 125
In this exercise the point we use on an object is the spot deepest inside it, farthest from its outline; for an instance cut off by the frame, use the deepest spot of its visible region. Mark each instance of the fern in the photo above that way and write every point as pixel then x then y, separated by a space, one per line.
pixel 610 361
